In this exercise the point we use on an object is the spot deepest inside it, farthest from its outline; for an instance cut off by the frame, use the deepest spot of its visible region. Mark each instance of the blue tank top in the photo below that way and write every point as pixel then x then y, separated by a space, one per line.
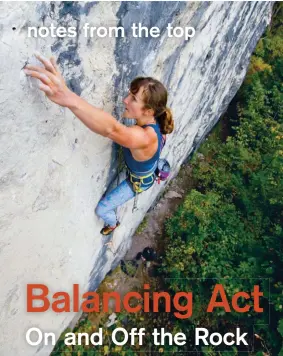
pixel 145 167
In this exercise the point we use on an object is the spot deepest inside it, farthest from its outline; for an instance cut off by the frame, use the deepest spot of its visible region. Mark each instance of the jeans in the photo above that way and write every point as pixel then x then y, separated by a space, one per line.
pixel 118 196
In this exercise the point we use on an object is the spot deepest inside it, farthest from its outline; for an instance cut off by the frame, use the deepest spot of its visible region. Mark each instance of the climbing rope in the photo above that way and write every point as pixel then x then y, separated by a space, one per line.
pixel 121 163
pixel 135 206
pixel 121 166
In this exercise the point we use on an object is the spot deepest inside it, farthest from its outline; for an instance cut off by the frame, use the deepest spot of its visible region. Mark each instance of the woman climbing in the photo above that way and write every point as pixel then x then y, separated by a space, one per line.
pixel 142 143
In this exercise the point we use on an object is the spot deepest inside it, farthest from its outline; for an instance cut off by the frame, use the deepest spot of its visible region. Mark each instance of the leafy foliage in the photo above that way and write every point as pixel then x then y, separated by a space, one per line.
pixel 229 228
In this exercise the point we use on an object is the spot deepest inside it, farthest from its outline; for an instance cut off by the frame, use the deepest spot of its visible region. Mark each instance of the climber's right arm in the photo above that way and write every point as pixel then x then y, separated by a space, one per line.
pixel 106 125
pixel 55 88
pixel 97 120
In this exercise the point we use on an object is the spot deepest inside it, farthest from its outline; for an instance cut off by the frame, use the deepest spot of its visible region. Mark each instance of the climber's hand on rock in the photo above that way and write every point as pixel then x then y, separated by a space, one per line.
pixel 51 81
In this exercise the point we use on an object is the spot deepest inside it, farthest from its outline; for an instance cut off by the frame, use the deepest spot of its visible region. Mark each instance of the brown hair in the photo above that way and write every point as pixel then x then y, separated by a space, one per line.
pixel 155 97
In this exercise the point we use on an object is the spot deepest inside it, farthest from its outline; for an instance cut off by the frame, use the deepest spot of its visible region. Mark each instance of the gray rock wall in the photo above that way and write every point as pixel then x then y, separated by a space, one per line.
pixel 53 170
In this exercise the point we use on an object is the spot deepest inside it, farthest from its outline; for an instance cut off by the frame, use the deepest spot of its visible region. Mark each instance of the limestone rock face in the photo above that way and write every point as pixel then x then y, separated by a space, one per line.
pixel 53 170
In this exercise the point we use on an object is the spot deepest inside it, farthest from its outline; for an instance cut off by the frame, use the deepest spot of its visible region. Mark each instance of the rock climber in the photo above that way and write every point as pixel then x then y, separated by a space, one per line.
pixel 142 143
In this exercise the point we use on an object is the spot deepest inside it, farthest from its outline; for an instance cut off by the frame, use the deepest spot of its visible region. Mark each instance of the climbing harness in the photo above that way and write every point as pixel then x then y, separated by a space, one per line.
pixel 161 173
pixel 139 185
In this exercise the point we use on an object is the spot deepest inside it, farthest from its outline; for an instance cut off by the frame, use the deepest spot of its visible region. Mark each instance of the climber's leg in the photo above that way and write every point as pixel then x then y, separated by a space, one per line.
pixel 108 204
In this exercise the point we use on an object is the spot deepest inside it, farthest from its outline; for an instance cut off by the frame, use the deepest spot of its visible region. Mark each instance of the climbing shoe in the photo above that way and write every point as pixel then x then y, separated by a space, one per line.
pixel 107 230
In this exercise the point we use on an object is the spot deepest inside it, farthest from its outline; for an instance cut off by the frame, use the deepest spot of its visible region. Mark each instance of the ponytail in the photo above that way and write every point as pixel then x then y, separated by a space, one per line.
pixel 155 98
pixel 166 122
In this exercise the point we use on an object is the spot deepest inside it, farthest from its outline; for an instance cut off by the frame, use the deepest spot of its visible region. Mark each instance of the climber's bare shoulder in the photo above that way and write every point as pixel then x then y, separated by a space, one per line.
pixel 134 137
